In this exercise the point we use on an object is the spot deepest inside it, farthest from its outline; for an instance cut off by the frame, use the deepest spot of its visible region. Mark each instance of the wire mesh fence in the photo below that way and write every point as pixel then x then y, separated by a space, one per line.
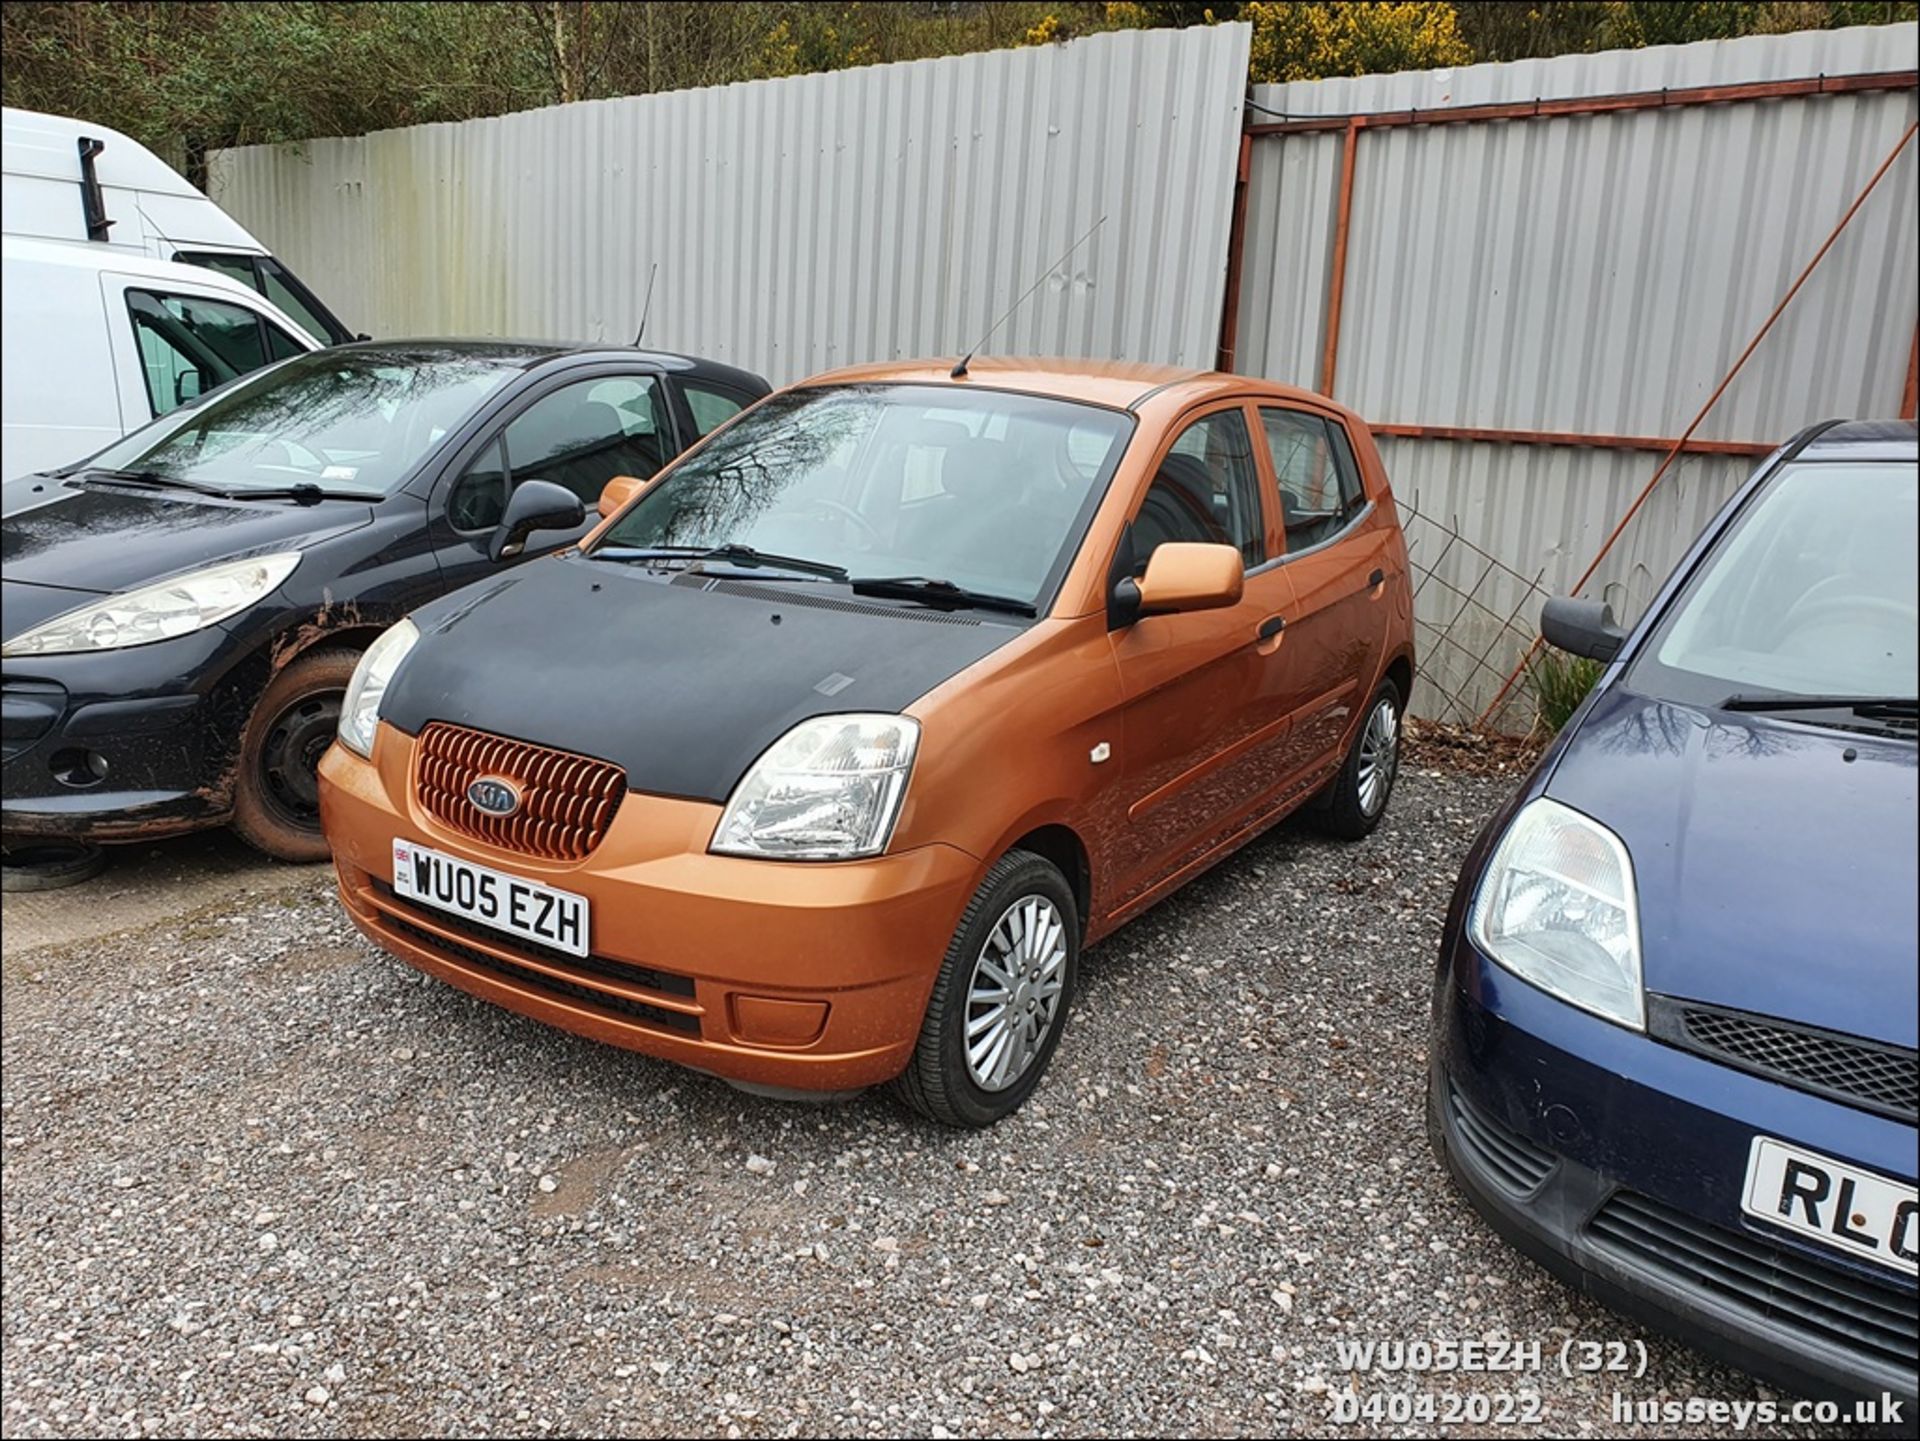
pixel 1474 618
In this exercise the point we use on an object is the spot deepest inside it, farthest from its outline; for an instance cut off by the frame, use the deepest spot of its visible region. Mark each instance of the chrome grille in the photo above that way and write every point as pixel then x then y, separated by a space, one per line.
pixel 566 801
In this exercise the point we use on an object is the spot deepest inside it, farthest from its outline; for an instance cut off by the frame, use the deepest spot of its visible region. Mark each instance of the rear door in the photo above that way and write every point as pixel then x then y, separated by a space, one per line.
pixel 1338 551
pixel 578 430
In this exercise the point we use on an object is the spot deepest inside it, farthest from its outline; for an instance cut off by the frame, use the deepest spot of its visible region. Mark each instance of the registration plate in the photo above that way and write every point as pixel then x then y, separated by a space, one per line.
pixel 1848 1209
pixel 512 904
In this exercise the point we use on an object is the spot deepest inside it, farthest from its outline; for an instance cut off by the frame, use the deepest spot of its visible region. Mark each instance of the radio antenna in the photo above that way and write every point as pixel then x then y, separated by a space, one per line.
pixel 646 308
pixel 959 371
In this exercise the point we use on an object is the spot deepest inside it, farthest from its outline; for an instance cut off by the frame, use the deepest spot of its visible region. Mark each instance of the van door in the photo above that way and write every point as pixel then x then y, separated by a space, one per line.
pixel 173 342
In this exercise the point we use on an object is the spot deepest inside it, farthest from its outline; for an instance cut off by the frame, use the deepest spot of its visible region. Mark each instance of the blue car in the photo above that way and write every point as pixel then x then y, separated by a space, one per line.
pixel 1674 1038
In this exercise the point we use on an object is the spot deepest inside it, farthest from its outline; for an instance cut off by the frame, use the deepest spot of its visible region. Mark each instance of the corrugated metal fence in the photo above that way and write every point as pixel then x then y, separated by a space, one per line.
pixel 798 224
pixel 1592 273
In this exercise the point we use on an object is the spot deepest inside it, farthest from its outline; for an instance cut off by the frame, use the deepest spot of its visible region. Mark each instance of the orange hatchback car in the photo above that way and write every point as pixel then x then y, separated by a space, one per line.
pixel 819 762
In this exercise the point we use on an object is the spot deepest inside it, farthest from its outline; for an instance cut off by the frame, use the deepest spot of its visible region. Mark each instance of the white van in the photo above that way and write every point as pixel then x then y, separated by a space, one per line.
pixel 99 341
pixel 73 180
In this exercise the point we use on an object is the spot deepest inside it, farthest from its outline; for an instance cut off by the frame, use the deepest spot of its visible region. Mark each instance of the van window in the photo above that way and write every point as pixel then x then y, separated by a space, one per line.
pixel 272 279
pixel 189 344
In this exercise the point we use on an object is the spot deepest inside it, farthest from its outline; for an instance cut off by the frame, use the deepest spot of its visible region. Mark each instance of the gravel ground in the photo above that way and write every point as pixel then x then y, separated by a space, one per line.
pixel 260 1179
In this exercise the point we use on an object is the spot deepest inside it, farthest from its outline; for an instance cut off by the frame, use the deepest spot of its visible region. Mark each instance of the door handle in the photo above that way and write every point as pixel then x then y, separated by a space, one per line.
pixel 1378 578
pixel 1272 626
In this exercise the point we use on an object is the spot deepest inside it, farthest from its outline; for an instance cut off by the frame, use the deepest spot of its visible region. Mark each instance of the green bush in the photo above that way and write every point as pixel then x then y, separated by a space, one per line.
pixel 1560 682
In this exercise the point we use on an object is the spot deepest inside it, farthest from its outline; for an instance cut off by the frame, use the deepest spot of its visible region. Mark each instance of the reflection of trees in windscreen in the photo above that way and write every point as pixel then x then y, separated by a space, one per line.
pixel 774 457
pixel 330 406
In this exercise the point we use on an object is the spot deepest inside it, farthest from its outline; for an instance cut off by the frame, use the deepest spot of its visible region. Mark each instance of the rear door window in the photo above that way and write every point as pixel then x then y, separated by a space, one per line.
pixel 1320 489
pixel 712 405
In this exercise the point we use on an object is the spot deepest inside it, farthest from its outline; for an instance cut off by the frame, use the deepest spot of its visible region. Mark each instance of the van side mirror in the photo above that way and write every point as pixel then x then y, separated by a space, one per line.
pixel 1581 627
pixel 186 386
pixel 1184 575
pixel 534 505
pixel 617 492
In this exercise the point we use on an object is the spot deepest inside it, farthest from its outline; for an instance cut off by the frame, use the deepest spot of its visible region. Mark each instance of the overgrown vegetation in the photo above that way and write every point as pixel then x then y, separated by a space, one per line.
pixel 1559 683
pixel 187 75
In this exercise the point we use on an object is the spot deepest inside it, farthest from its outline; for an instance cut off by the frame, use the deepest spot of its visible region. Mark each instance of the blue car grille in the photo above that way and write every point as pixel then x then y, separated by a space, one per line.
pixel 1784 1288
pixel 1510 1158
pixel 1876 1077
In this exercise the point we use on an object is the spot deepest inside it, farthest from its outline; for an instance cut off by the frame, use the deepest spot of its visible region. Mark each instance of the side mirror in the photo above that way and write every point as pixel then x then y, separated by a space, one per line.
pixel 1581 627
pixel 1184 575
pixel 617 492
pixel 534 505
pixel 186 386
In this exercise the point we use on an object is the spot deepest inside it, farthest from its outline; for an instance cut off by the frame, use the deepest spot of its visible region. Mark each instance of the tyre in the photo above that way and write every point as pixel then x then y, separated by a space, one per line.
pixel 276 794
pixel 49 865
pixel 1001 999
pixel 1358 797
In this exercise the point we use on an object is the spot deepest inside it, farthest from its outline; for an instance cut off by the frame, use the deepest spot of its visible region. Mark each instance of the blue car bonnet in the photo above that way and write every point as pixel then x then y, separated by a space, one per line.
pixel 1775 860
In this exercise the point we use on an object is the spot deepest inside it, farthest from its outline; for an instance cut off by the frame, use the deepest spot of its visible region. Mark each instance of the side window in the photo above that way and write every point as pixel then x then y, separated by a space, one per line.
pixel 581 436
pixel 189 344
pixel 295 303
pixel 1320 488
pixel 1206 490
pixel 712 406
pixel 479 497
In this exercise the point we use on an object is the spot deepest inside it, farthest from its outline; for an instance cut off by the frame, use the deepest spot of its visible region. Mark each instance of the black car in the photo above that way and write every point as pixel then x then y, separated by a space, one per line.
pixel 183 611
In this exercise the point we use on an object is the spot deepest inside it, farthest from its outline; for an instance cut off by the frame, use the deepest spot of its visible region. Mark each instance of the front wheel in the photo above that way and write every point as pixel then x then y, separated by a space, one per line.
pixel 1001 999
pixel 276 796
pixel 1358 796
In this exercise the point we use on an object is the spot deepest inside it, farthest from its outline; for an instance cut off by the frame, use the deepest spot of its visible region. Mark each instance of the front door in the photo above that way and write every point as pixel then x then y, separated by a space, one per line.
pixel 579 435
pixel 1203 715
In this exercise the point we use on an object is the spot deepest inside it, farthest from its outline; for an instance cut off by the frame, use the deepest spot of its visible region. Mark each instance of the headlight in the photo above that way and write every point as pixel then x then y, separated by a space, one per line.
pixel 828 790
pixel 158 612
pixel 1556 907
pixel 360 713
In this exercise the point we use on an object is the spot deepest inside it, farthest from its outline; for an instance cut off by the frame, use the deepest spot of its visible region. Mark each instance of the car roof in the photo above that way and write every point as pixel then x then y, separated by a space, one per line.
pixel 1120 384
pixel 530 353
pixel 1864 440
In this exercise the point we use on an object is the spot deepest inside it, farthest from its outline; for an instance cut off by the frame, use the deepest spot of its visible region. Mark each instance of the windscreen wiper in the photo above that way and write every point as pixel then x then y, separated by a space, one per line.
pixel 1875 707
pixel 150 480
pixel 744 555
pixel 938 592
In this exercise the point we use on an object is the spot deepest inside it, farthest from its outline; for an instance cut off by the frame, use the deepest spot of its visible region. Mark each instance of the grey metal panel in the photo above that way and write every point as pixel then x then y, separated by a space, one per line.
pixel 1597 273
pixel 1594 274
pixel 801 223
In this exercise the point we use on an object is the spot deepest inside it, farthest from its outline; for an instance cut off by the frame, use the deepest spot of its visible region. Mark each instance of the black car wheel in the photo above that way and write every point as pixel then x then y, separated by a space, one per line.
pixel 1001 999
pixel 1353 805
pixel 276 798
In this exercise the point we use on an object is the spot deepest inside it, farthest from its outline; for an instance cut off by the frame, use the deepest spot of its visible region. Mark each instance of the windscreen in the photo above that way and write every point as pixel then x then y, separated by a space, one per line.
pixel 350 423
pixel 1813 593
pixel 990 490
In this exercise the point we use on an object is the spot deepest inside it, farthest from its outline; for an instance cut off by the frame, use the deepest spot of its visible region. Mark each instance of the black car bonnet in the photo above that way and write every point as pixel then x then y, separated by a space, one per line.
pixel 683 682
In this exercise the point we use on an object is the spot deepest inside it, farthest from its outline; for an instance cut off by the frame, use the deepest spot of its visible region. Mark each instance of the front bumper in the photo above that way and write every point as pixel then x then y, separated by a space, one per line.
pixel 781 976
pixel 1618 1163
pixel 122 745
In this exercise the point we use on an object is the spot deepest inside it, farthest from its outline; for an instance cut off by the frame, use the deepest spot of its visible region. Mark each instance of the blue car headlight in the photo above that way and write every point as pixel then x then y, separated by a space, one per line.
pixel 1556 907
